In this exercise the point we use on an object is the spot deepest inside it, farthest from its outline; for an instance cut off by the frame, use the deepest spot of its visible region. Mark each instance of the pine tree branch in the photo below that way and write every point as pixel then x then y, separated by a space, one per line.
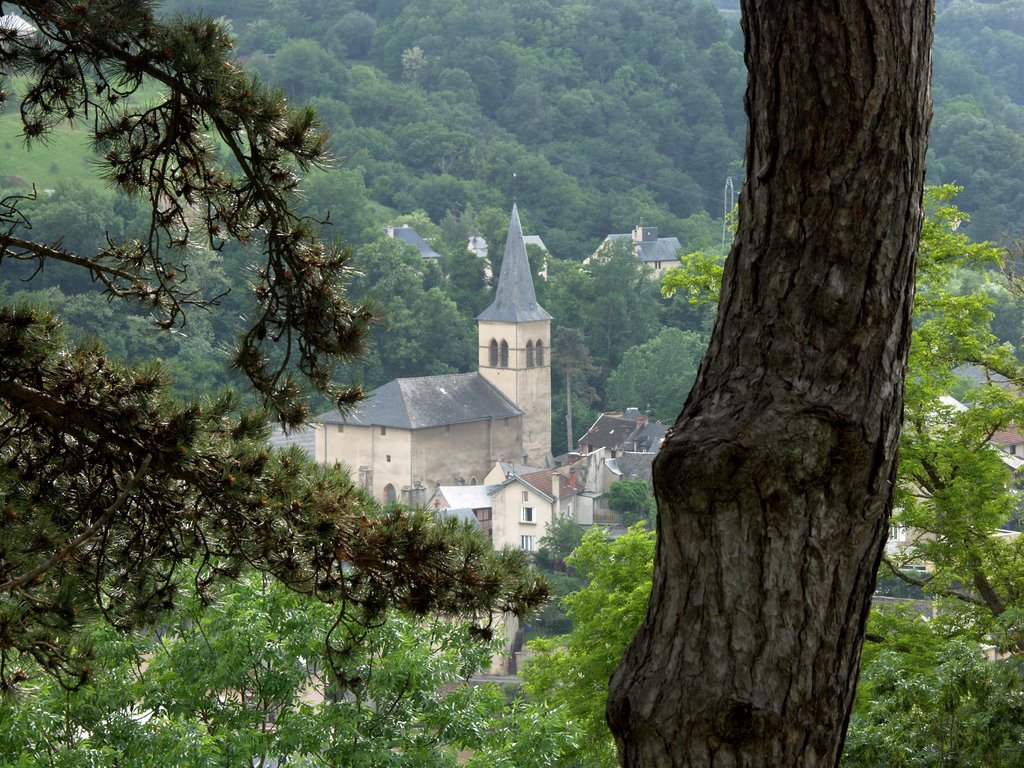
pixel 133 481
pixel 61 416
pixel 27 250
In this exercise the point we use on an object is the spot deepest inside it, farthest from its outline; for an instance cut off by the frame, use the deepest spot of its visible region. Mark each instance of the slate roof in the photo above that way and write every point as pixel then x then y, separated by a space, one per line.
pixel 304 437
pixel 428 401
pixel 626 431
pixel 463 514
pixel 410 236
pixel 610 430
pixel 515 300
pixel 649 437
pixel 651 248
pixel 511 468
pixel 535 240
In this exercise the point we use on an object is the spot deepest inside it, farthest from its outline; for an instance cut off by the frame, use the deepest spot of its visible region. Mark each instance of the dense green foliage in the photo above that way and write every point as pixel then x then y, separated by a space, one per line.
pixel 977 136
pixel 238 676
pixel 570 674
pixel 957 488
pixel 633 500
pixel 657 375
pixel 929 698
pixel 595 116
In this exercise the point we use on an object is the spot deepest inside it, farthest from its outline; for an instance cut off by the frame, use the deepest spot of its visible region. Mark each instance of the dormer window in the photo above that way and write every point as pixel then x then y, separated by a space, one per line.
pixel 529 354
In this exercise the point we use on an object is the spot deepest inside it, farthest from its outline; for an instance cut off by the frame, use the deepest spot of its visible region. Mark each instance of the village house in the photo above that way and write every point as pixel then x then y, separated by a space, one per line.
pixel 410 236
pixel 659 253
pixel 622 432
pixel 1010 440
pixel 513 510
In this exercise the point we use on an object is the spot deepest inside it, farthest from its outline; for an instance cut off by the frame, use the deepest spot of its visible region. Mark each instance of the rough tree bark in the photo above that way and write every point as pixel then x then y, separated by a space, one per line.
pixel 774 485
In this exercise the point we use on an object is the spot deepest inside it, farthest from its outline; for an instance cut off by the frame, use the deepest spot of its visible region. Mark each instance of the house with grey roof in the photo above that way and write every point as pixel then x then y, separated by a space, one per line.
pixel 410 236
pixel 659 253
pixel 622 432
pixel 411 435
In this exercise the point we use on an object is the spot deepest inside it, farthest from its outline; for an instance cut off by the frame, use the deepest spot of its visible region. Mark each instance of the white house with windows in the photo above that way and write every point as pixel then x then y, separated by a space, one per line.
pixel 513 509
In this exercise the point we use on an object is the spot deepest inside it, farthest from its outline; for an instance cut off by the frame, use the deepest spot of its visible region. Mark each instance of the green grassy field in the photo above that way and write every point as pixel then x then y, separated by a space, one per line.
pixel 65 157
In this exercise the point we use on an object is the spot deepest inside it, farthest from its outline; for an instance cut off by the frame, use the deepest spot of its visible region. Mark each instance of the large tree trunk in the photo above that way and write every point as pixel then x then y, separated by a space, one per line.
pixel 774 485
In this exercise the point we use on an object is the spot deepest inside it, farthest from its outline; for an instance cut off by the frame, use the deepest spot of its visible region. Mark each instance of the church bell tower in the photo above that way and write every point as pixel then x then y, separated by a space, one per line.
pixel 515 345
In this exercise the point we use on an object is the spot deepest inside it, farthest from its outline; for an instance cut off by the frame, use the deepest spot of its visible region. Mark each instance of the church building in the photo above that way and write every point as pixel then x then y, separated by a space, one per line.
pixel 412 435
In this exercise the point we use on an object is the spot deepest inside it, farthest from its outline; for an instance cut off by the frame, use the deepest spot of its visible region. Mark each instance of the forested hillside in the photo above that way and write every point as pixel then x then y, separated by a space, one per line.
pixel 590 114
pixel 594 115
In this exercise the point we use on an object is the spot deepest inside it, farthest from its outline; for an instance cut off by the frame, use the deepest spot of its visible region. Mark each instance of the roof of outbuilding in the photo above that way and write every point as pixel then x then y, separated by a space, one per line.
pixel 515 300
pixel 468 496
pixel 410 236
pixel 649 436
pixel 1010 435
pixel 303 437
pixel 511 468
pixel 428 401
pixel 463 514
pixel 535 240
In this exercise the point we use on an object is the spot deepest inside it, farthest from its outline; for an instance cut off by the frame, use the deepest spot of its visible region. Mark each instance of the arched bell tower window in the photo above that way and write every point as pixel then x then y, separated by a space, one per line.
pixel 529 354
pixel 539 352
pixel 494 353
pixel 503 355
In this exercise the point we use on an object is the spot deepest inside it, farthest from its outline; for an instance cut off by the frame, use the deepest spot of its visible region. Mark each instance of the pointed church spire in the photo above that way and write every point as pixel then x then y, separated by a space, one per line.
pixel 515 300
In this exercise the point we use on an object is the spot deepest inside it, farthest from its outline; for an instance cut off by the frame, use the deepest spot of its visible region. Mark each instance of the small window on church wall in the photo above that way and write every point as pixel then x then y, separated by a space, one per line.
pixel 539 353
pixel 529 354
pixel 503 355
pixel 494 353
